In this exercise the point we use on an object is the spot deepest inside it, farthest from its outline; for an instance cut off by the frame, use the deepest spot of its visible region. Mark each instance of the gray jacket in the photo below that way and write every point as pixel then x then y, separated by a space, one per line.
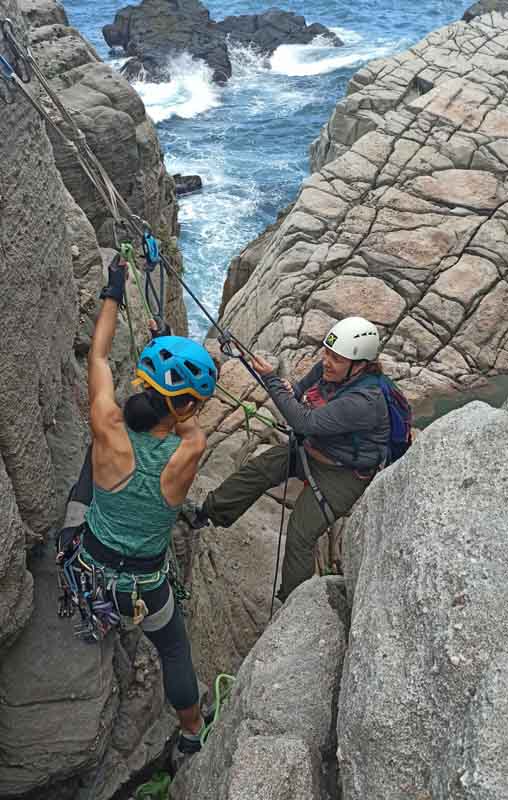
pixel 330 428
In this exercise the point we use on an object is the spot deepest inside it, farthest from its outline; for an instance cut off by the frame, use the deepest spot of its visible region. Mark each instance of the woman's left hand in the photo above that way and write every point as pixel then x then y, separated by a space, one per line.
pixel 262 366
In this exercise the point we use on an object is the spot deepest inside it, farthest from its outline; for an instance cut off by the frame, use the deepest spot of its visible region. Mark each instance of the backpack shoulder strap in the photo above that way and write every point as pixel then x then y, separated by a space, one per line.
pixel 363 382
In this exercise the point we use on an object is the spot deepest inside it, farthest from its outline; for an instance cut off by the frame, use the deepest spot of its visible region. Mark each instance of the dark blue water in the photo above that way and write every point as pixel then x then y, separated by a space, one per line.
pixel 249 141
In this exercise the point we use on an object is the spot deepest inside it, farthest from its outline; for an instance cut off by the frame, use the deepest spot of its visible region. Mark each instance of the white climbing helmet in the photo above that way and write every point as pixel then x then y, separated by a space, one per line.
pixel 355 338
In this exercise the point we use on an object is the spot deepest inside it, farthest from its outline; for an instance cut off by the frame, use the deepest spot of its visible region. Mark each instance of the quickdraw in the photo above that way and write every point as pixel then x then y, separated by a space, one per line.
pixel 22 67
pixel 85 590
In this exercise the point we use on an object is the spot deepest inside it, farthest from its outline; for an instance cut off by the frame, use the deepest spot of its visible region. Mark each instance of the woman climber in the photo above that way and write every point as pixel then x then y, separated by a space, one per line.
pixel 343 425
pixel 144 460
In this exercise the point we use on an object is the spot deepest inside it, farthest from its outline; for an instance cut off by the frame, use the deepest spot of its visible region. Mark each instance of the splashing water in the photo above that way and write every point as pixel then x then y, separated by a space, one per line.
pixel 190 91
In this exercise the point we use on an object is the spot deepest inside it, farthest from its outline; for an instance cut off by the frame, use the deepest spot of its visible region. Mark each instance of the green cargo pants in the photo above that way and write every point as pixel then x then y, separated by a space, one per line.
pixel 341 488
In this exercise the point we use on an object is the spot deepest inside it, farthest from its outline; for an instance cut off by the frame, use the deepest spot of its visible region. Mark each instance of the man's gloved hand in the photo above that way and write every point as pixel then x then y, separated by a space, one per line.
pixel 117 274
pixel 158 327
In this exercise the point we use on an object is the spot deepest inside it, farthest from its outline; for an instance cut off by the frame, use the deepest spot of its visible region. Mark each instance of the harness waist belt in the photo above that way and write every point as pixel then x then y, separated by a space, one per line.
pixel 115 560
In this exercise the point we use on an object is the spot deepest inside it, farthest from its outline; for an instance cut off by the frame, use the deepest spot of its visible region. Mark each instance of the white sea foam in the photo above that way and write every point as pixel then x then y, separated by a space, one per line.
pixel 190 91
pixel 319 56
pixel 118 62
pixel 246 61
pixel 348 36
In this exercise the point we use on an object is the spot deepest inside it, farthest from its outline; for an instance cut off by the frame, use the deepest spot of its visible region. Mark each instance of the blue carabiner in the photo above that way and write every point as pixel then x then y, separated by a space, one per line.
pixel 151 249
pixel 8 70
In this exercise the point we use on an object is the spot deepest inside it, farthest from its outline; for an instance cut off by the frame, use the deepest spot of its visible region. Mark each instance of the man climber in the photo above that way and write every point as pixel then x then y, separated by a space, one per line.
pixel 345 429
pixel 144 460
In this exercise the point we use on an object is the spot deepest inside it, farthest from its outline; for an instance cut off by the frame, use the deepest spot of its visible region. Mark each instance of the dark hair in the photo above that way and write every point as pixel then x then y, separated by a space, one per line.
pixel 374 368
pixel 143 411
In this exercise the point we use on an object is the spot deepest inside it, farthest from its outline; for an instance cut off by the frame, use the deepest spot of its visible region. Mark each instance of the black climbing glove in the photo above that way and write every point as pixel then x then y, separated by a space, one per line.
pixel 116 281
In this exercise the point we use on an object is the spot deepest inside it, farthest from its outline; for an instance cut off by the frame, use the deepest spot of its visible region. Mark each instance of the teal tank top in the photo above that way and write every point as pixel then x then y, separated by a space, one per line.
pixel 136 520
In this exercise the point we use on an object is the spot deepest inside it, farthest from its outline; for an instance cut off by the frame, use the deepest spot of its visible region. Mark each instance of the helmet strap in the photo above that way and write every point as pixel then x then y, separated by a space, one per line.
pixel 351 367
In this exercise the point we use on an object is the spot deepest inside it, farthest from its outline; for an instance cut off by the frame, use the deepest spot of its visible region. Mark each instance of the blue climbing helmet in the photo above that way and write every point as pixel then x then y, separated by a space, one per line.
pixel 174 365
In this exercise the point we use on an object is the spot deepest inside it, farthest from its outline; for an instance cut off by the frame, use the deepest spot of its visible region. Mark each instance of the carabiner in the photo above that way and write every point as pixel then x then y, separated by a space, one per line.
pixel 226 340
pixel 22 67
pixel 7 84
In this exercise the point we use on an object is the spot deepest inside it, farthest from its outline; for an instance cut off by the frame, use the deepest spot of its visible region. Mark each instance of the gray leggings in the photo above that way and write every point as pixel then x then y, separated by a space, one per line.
pixel 172 644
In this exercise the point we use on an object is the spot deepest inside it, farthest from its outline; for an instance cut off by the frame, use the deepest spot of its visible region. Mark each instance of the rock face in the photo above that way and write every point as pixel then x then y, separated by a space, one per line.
pixel 403 220
pixel 112 117
pixel 271 741
pixel 485 7
pixel 157 30
pixel 160 29
pixel 65 705
pixel 39 291
pixel 267 31
pixel 422 710
pixel 186 184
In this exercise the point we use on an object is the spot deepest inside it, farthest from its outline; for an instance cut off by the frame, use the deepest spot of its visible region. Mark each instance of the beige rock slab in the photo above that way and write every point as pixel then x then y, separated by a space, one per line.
pixel 366 297
pixel 315 326
pixel 457 100
pixel 469 277
pixel 462 187
pixel 483 334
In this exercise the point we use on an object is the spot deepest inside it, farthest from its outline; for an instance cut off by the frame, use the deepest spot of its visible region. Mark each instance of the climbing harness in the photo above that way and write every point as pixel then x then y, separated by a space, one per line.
pixel 318 494
pixel 92 589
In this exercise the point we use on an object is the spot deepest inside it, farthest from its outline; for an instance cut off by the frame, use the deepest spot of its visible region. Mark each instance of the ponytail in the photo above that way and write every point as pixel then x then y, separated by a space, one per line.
pixel 145 410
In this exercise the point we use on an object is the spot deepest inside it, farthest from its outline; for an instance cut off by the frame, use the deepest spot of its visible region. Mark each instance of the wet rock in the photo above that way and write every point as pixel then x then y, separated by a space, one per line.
pixel 423 697
pixel 186 184
pixel 160 30
pixel 137 69
pixel 157 30
pixel 485 7
pixel 267 31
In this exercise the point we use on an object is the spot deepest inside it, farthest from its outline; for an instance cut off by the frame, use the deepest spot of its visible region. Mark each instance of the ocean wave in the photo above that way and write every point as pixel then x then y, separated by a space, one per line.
pixel 347 35
pixel 191 91
pixel 318 57
pixel 246 60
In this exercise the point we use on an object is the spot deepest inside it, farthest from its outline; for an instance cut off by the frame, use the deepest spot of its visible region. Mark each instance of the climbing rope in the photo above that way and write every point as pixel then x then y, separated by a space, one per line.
pixel 219 697
pixel 251 412
pixel 282 516
pixel 17 77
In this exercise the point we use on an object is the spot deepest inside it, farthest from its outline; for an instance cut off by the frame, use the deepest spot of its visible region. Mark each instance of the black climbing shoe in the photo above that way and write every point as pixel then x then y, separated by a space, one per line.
pixel 181 750
pixel 195 516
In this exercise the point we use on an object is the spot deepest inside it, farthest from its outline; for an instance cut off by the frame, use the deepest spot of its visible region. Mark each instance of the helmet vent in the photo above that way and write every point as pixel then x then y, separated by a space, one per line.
pixel 175 377
pixel 192 368
pixel 147 362
pixel 165 354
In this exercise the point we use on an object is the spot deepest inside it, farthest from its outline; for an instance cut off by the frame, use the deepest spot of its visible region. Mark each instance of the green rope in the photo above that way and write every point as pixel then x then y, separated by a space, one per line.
pixel 127 253
pixel 155 789
pixel 249 409
pixel 219 699
pixel 134 347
